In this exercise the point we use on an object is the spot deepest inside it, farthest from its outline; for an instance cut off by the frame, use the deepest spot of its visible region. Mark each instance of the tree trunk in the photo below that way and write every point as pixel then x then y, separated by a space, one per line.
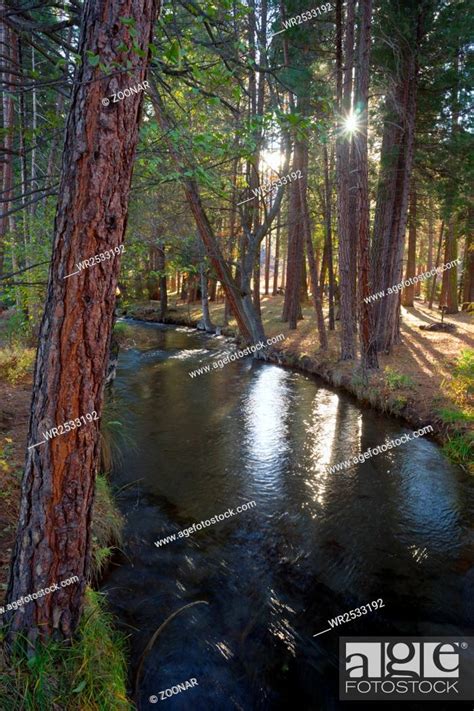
pixel 34 126
pixel 206 316
pixel 267 262
pixel 7 139
pixel 213 290
pixel 346 263
pixel 240 300
pixel 392 195
pixel 295 251
pixel 368 350
pixel 468 279
pixel 450 276
pixel 429 266
pixel 277 260
pixel 256 283
pixel 313 269
pixel 152 282
pixel 161 267
pixel 438 255
pixel 408 294
pixel 328 226
pixel 53 541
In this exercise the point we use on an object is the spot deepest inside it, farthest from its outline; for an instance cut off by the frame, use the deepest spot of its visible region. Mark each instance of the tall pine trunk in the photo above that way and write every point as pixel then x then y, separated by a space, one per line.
pixel 313 269
pixel 450 291
pixel 368 349
pixel 408 294
pixel 393 189
pixel 53 541
pixel 346 261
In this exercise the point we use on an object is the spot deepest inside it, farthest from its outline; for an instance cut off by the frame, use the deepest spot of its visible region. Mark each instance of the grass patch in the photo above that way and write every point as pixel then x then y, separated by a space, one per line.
pixel 396 381
pixel 107 525
pixel 88 675
pixel 460 449
pixel 461 389
pixel 15 362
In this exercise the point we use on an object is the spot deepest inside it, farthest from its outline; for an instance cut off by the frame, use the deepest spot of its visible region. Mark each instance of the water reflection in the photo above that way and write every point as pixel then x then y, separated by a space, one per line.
pixel 317 544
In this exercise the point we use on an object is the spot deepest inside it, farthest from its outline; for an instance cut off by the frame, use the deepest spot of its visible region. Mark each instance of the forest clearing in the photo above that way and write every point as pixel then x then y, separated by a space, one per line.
pixel 236 354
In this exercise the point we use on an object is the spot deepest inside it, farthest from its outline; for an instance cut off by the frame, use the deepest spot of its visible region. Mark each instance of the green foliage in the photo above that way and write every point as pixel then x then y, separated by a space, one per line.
pixel 397 404
pixel 460 449
pixel 17 329
pixel 15 362
pixel 461 385
pixel 107 523
pixel 396 380
pixel 88 674
pixel 6 449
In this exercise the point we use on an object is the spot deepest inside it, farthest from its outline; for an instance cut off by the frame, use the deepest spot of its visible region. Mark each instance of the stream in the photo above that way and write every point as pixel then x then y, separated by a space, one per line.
pixel 315 545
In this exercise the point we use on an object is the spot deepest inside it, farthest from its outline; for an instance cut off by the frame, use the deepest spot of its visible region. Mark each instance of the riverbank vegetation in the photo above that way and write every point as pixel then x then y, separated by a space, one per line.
pixel 90 673
pixel 427 379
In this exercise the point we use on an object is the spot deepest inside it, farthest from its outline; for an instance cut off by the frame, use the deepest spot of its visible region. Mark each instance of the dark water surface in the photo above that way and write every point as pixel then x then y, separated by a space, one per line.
pixel 398 527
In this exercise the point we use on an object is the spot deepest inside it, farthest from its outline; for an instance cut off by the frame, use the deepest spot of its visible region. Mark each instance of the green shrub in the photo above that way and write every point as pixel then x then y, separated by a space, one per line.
pixel 460 449
pixel 396 380
pixel 461 385
pixel 15 362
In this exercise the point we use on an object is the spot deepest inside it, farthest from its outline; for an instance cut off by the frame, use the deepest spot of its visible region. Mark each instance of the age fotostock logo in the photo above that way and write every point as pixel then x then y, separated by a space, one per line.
pixel 397 668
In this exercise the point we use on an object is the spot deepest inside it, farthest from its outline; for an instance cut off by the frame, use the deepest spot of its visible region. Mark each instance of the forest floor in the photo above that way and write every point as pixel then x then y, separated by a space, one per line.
pixel 413 382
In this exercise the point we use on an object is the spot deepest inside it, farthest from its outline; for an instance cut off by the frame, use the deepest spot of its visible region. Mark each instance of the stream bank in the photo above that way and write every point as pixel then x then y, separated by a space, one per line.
pixel 388 391
pixel 396 528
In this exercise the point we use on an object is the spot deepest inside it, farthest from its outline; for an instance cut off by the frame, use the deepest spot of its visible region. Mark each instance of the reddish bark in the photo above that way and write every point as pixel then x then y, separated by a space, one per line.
pixel 468 276
pixel 346 262
pixel 295 250
pixel 313 269
pixel 54 538
pixel 368 351
pixel 408 294
pixel 450 292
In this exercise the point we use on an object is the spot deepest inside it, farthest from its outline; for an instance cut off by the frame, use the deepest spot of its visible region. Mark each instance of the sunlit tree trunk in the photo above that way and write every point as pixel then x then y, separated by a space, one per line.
pixel 277 260
pixel 53 541
pixel 450 290
pixel 468 279
pixel 368 349
pixel 346 263
pixel 408 294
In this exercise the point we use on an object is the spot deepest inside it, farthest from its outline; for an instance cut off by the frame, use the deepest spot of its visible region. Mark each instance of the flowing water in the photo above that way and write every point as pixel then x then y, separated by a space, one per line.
pixel 397 527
